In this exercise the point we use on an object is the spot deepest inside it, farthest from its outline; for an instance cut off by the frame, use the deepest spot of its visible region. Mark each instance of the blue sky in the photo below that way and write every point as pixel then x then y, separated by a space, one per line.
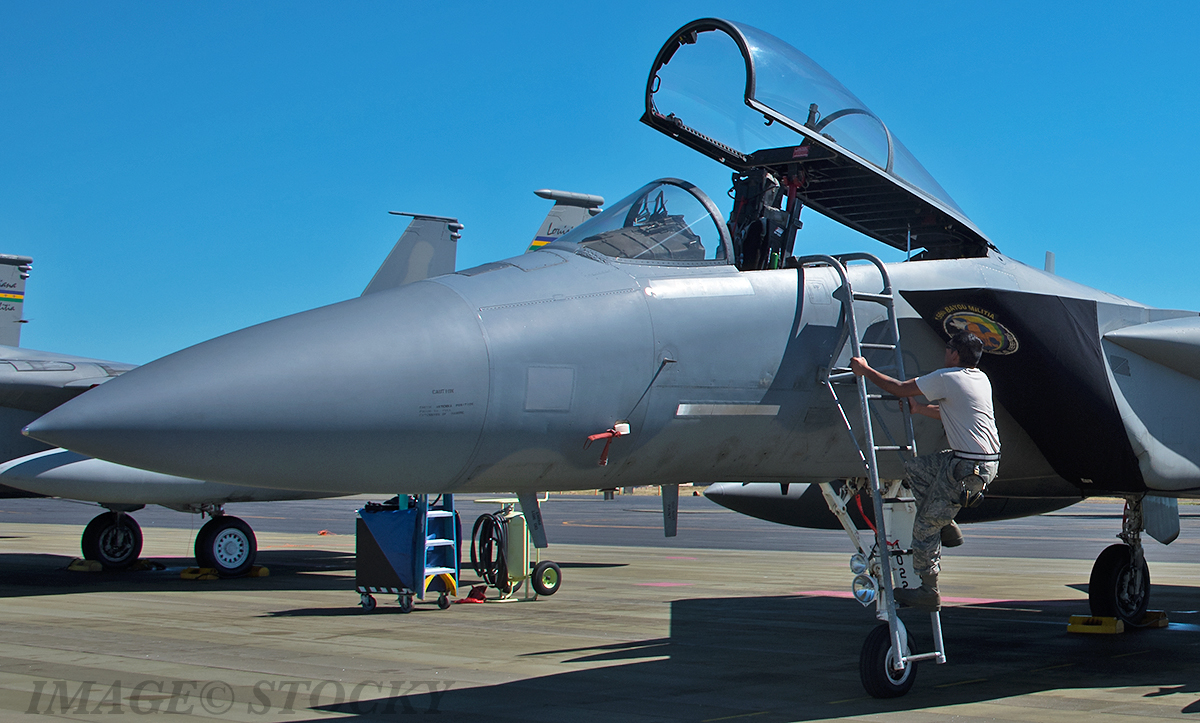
pixel 182 170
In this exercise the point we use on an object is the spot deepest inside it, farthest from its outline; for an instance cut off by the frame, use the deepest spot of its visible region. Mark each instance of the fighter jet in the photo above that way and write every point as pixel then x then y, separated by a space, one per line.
pixel 661 342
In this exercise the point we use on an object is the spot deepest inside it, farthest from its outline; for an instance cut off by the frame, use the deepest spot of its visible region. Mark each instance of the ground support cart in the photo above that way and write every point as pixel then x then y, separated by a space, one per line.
pixel 407 547
pixel 500 550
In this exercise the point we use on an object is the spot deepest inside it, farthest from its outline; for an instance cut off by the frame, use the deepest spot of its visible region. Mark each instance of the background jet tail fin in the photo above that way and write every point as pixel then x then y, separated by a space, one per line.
pixel 570 210
pixel 13 272
pixel 427 248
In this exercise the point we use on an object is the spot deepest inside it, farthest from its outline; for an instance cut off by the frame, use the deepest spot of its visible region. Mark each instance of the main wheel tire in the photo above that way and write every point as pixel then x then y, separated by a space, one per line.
pixel 547 578
pixel 226 544
pixel 1116 588
pixel 114 540
pixel 875 666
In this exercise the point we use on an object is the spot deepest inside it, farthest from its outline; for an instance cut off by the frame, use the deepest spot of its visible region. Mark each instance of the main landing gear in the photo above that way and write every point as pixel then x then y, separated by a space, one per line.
pixel 226 544
pixel 1120 583
pixel 114 539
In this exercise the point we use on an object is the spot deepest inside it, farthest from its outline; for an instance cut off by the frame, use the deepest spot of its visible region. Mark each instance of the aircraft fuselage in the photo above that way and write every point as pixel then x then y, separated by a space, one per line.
pixel 490 379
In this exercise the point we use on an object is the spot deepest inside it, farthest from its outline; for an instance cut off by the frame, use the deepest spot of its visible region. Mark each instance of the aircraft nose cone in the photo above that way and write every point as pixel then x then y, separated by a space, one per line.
pixel 384 393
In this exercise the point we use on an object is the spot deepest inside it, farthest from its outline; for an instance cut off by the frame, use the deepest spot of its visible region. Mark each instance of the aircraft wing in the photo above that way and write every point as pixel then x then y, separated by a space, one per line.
pixel 38 381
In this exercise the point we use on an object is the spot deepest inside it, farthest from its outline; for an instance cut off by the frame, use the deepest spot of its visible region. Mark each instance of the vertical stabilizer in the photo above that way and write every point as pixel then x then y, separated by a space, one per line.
pixel 570 210
pixel 427 248
pixel 13 272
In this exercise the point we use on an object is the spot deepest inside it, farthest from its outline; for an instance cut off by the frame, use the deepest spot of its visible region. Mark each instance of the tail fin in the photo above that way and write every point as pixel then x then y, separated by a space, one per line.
pixel 570 210
pixel 13 272
pixel 427 248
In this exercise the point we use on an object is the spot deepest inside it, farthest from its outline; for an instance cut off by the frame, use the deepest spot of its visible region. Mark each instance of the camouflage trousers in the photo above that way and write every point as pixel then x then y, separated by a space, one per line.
pixel 934 481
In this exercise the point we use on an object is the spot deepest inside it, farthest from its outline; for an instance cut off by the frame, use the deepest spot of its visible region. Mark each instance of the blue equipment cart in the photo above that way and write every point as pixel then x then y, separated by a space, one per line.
pixel 407 547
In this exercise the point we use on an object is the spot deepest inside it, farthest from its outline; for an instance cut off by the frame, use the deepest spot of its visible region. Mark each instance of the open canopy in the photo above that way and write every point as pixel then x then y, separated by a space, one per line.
pixel 751 101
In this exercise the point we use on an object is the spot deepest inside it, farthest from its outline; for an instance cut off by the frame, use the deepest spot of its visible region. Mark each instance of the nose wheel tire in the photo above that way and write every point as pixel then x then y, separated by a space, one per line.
pixel 114 540
pixel 879 678
pixel 547 578
pixel 226 544
pixel 1118 588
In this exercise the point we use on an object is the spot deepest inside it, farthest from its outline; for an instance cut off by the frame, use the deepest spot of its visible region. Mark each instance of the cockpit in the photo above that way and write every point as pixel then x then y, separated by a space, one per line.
pixel 794 137
pixel 668 220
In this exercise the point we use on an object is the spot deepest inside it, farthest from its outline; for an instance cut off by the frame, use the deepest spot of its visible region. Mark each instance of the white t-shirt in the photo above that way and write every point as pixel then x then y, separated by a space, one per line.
pixel 964 397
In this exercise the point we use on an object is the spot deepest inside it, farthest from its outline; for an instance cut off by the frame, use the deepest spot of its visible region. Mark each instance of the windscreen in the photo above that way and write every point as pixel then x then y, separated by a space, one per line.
pixel 666 220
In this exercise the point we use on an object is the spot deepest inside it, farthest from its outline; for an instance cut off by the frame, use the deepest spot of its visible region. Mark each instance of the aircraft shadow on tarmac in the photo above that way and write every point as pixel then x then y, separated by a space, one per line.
pixel 796 658
pixel 26 575
pixel 466 581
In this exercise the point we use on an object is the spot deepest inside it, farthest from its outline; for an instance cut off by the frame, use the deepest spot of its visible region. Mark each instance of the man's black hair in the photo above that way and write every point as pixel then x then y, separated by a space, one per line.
pixel 969 348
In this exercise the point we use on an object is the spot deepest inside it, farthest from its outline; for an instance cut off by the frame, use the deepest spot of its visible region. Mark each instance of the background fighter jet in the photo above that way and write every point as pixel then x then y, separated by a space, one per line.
pixel 696 350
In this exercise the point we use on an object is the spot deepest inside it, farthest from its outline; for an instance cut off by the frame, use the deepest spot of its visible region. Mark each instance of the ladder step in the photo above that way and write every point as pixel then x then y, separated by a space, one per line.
pixel 884 397
pixel 440 571
pixel 878 298
pixel 871 345
pixel 891 448
pixel 438 543
pixel 439 513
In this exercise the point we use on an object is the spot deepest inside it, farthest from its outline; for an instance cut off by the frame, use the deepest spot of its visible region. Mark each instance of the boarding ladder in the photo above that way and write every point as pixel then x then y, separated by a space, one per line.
pixel 441 567
pixel 892 504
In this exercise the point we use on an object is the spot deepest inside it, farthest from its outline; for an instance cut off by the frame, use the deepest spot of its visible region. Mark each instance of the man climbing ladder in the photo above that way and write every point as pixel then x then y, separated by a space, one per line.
pixel 945 481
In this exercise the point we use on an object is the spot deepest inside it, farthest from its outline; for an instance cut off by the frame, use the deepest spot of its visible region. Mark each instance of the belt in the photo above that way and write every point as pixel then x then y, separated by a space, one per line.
pixel 977 456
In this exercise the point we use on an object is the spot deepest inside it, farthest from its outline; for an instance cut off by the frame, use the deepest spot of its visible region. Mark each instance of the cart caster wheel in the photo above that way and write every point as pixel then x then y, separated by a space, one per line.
pixel 547 578
pixel 406 603
pixel 367 602
pixel 875 666
pixel 443 601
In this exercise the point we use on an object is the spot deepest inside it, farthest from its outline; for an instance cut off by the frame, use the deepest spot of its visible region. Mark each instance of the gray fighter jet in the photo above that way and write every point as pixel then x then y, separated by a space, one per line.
pixel 688 348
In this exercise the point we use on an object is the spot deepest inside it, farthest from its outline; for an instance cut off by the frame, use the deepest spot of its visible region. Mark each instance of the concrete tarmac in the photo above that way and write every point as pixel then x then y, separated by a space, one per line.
pixel 683 632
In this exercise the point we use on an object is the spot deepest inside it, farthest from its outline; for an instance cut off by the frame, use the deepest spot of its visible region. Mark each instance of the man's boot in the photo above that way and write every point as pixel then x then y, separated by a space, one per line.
pixel 952 535
pixel 924 598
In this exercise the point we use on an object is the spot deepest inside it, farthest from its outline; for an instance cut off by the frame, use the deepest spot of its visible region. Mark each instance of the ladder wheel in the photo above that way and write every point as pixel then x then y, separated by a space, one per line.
pixel 367 602
pixel 875 666
pixel 443 601
pixel 406 603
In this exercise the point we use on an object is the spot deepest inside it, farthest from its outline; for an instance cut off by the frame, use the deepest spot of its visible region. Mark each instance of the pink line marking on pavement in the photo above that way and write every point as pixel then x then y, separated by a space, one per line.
pixel 663 584
pixel 849 595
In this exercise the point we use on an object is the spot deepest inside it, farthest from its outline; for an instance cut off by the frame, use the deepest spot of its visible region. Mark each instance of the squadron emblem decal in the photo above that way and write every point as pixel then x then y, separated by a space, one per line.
pixel 997 339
